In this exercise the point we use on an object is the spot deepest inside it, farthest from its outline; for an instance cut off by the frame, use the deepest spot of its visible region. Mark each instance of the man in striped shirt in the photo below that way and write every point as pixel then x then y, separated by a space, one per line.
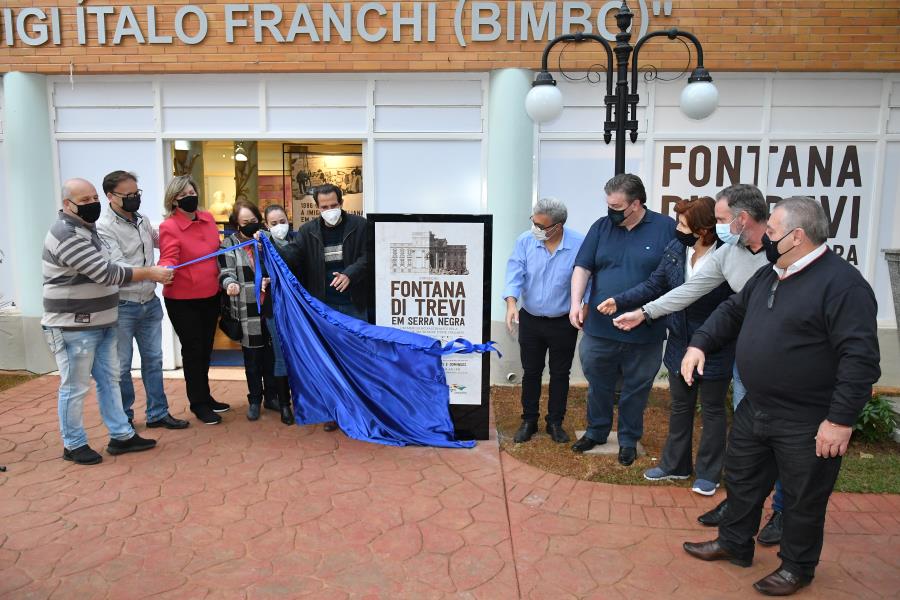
pixel 81 299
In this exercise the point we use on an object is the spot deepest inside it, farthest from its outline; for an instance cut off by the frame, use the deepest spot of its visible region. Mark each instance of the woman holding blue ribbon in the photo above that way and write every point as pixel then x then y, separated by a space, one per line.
pixel 192 299
pixel 237 276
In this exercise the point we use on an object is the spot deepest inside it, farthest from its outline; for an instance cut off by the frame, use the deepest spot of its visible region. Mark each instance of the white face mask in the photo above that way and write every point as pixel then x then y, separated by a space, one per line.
pixel 332 216
pixel 538 233
pixel 280 231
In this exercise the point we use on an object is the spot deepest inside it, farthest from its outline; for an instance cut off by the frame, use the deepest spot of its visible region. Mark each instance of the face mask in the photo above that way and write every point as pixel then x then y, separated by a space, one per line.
pixel 616 216
pixel 280 231
pixel 188 203
pixel 249 229
pixel 331 216
pixel 724 233
pixel 538 233
pixel 88 212
pixel 687 239
pixel 131 203
pixel 771 247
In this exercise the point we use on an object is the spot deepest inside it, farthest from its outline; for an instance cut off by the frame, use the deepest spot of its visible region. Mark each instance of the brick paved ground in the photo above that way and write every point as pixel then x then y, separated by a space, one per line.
pixel 259 510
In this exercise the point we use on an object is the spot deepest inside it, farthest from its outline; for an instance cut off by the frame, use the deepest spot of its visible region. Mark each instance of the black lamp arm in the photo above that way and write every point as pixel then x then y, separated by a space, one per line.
pixel 580 37
pixel 671 34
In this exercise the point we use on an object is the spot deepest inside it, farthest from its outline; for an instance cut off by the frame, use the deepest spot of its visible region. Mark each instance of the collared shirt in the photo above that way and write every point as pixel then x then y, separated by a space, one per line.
pixel 800 264
pixel 131 243
pixel 541 280
pixel 619 259
pixel 690 269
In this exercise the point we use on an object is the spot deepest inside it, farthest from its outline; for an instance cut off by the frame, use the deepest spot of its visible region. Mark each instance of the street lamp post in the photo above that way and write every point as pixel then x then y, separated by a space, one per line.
pixel 698 100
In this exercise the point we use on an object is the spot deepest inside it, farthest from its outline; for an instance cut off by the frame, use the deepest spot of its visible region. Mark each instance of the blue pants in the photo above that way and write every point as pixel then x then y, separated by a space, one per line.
pixel 80 355
pixel 603 361
pixel 738 393
pixel 280 368
pixel 143 323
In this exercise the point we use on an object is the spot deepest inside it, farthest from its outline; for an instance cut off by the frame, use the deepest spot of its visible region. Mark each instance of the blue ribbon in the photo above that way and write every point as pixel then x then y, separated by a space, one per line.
pixel 257 272
pixel 463 346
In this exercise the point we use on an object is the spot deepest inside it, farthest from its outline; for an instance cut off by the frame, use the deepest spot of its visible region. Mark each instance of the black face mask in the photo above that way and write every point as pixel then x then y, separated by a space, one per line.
pixel 616 216
pixel 188 203
pixel 249 229
pixel 771 247
pixel 88 212
pixel 131 203
pixel 687 239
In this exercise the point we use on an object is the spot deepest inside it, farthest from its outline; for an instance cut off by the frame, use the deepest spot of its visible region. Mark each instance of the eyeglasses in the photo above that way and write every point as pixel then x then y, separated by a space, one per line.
pixel 771 301
pixel 543 227
pixel 137 193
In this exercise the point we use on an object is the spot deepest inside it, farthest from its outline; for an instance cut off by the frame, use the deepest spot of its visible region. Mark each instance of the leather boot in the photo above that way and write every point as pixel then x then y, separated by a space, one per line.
pixel 284 400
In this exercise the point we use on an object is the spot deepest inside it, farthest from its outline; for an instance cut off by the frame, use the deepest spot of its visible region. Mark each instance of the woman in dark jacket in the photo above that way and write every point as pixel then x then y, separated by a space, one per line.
pixel 695 242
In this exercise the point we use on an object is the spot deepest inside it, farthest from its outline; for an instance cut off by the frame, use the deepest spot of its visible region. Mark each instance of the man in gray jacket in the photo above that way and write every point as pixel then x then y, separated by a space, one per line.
pixel 81 301
pixel 741 213
pixel 131 240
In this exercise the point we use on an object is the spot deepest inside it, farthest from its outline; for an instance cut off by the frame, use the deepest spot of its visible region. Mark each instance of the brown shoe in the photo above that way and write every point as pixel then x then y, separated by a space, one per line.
pixel 330 426
pixel 714 551
pixel 781 582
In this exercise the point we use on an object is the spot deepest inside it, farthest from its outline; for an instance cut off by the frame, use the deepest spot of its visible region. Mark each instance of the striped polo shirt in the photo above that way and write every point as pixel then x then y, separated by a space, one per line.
pixel 81 284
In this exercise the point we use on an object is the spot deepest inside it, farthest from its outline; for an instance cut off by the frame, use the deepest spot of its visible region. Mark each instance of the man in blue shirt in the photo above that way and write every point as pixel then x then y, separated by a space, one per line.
pixel 619 251
pixel 538 275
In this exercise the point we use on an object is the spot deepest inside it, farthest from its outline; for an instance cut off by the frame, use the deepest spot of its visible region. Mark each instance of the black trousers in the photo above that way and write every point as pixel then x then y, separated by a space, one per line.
pixel 195 324
pixel 676 455
pixel 760 450
pixel 537 335
pixel 259 368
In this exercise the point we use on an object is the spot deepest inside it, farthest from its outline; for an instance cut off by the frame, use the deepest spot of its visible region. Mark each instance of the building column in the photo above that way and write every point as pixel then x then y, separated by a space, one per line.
pixel 31 202
pixel 509 195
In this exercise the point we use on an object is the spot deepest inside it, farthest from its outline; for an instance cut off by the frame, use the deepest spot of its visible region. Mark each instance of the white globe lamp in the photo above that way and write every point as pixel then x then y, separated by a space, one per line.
pixel 700 97
pixel 544 102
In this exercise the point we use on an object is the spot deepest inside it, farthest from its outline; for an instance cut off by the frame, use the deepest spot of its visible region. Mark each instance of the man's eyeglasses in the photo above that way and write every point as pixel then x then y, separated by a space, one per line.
pixel 543 227
pixel 771 301
pixel 132 195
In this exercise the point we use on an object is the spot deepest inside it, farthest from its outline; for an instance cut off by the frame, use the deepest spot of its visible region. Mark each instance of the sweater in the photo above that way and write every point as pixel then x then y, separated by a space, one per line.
pixel 731 264
pixel 814 354
pixel 81 283
pixel 131 243
pixel 181 240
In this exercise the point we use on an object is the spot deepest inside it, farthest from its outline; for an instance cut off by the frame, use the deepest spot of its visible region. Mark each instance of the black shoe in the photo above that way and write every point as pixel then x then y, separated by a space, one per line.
pixel 330 426
pixel 287 415
pixel 82 455
pixel 781 583
pixel 712 550
pixel 526 430
pixel 771 533
pixel 271 404
pixel 208 416
pixel 627 454
pixel 169 422
pixel 219 407
pixel 557 433
pixel 133 444
pixel 585 443
pixel 253 412
pixel 714 517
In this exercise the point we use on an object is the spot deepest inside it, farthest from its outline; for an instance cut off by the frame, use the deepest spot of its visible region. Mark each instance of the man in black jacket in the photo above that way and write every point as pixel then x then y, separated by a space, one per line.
pixel 807 350
pixel 334 260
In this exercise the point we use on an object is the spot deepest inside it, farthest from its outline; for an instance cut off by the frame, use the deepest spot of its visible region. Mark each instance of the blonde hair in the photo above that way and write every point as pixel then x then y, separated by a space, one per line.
pixel 175 187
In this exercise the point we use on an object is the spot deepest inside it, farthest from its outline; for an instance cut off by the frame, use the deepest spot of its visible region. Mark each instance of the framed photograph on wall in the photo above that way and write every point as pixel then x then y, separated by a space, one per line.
pixel 309 169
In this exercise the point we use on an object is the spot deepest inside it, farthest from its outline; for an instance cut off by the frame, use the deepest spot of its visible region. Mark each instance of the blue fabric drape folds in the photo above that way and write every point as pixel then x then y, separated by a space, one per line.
pixel 379 384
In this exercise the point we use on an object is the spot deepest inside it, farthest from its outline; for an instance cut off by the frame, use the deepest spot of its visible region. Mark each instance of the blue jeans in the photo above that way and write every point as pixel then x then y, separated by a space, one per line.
pixel 738 393
pixel 80 355
pixel 603 361
pixel 142 322
pixel 280 368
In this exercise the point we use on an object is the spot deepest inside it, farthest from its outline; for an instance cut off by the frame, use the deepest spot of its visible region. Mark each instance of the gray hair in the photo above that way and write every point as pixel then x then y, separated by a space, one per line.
pixel 802 212
pixel 745 197
pixel 553 208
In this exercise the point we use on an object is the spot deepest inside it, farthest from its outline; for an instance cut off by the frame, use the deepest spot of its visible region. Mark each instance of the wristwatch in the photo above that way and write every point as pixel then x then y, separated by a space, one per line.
pixel 646 315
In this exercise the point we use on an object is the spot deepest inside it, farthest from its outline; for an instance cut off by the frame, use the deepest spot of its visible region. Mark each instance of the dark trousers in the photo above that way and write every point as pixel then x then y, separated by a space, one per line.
pixel 602 361
pixel 537 335
pixel 761 449
pixel 259 369
pixel 676 456
pixel 195 323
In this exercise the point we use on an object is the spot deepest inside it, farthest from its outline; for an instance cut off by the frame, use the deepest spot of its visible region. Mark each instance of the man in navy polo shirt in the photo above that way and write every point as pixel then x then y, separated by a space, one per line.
pixel 620 251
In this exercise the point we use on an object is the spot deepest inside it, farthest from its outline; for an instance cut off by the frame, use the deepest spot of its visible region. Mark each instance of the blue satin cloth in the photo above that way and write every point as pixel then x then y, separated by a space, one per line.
pixel 379 384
